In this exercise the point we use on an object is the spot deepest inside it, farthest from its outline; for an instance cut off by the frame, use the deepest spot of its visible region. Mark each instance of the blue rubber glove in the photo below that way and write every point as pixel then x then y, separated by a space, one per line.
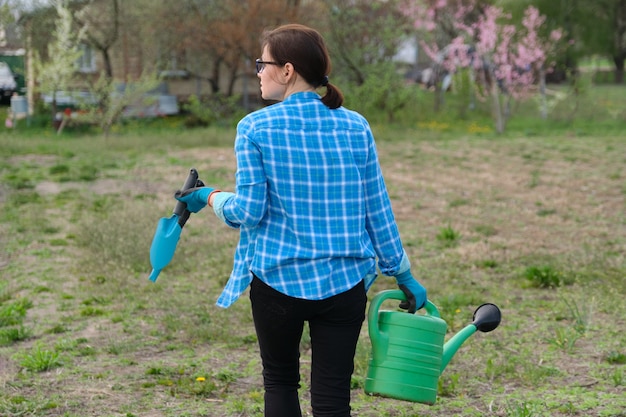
pixel 414 291
pixel 196 198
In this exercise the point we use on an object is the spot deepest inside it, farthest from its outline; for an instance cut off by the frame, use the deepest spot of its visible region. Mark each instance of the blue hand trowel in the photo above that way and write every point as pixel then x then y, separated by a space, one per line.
pixel 168 230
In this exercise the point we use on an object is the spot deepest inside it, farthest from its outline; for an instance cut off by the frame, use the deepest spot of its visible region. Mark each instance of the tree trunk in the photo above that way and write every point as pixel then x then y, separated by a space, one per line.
pixel 215 76
pixel 620 40
pixel 619 68
pixel 54 110
pixel 496 108
pixel 439 98
pixel 542 90
pixel 108 67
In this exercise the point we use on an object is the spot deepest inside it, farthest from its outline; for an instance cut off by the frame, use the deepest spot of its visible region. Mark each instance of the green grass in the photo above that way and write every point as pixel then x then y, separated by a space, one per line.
pixel 533 221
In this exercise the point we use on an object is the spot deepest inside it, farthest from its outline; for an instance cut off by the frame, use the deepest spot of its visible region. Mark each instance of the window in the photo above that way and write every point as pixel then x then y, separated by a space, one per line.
pixel 87 61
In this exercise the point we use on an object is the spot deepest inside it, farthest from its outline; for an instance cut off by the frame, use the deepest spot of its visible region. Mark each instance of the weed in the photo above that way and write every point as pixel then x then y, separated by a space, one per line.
pixel 88 173
pixel 565 338
pixel 616 358
pixel 448 237
pixel 447 384
pixel 66 345
pixel 486 264
pixel 476 128
pixel 500 368
pixel 18 405
pixel 545 212
pixel 618 377
pixel 536 374
pixel 57 329
pixel 543 276
pixel 90 311
pixel 197 386
pixel 5 293
pixel 534 179
pixel 59 169
pixel 251 404
pixel 459 202
pixel 9 335
pixel 522 409
pixel 14 312
pixel 40 359
pixel 227 376
pixel 20 180
pixel 581 319
pixel 486 230
pixel 155 370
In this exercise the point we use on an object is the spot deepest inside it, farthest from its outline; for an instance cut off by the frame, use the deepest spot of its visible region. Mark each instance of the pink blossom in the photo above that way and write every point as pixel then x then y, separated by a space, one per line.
pixel 532 19
pixel 511 55
pixel 432 51
pixel 556 35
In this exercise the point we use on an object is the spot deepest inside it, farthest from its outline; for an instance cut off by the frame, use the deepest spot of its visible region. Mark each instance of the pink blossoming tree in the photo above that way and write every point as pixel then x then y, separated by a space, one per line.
pixel 506 62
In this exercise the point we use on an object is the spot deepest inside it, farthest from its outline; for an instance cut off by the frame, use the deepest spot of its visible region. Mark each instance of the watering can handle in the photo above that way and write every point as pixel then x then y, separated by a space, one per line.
pixel 372 315
pixel 431 309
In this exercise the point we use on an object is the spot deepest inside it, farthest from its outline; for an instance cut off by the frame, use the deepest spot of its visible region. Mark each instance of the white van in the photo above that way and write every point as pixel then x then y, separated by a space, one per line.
pixel 8 86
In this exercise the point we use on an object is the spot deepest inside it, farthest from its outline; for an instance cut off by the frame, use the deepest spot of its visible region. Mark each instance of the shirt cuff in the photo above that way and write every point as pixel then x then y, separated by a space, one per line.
pixel 219 201
pixel 405 264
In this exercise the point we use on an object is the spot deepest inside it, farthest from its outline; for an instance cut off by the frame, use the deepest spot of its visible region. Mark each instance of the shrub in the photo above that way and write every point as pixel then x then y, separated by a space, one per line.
pixel 543 276
pixel 208 111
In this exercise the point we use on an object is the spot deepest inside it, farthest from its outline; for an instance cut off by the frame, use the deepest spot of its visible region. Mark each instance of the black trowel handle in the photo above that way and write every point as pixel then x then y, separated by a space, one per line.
pixel 181 208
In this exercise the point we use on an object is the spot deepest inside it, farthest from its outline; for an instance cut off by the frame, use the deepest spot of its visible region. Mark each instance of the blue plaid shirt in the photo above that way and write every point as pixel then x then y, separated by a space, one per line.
pixel 310 202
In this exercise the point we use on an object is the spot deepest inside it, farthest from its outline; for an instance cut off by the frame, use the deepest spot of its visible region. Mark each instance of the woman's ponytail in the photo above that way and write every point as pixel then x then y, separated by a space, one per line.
pixel 333 97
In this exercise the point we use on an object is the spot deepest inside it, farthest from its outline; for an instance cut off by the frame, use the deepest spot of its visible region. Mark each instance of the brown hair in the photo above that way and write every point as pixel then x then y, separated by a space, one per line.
pixel 305 49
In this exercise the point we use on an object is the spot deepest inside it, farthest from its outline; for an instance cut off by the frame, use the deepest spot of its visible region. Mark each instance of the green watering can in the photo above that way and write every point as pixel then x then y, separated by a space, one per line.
pixel 408 350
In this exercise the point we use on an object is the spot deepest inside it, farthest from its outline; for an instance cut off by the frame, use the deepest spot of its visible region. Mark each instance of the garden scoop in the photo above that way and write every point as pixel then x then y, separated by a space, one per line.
pixel 408 350
pixel 168 230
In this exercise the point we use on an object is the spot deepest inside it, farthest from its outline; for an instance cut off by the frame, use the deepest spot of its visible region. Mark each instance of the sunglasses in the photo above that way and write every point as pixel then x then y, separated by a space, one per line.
pixel 260 65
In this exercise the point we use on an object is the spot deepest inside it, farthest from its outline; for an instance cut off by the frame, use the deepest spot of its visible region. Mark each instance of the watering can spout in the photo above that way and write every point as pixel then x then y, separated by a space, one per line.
pixel 486 318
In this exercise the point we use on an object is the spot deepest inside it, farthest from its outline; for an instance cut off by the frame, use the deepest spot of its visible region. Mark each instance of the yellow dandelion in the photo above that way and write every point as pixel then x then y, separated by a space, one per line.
pixel 200 379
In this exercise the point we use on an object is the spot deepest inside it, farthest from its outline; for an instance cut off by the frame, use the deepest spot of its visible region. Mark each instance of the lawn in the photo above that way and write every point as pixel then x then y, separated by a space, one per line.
pixel 533 222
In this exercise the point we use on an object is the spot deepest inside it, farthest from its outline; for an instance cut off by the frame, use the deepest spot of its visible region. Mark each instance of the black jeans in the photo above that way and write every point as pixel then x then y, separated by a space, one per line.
pixel 334 323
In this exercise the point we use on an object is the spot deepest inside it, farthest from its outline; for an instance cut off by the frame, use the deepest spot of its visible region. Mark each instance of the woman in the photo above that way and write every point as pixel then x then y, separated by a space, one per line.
pixel 314 218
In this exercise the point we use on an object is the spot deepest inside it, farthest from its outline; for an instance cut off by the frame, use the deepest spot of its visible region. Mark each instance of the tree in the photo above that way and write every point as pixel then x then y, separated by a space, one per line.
pixel 607 36
pixel 506 60
pixel 438 23
pixel 57 72
pixel 5 13
pixel 364 33
pixel 100 22
pixel 593 27
pixel 214 40
pixel 111 101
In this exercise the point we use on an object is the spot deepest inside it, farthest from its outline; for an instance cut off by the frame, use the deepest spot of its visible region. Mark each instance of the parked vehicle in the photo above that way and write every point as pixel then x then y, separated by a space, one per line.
pixel 8 84
pixel 152 104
